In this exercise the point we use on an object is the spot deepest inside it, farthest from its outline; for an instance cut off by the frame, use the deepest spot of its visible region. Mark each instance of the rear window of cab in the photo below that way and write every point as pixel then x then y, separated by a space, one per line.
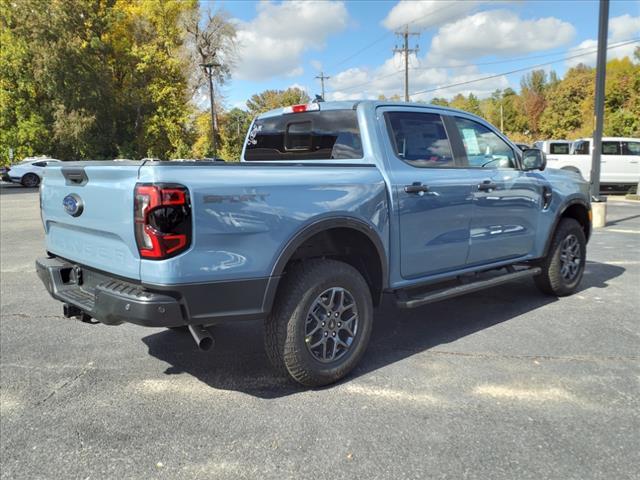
pixel 320 135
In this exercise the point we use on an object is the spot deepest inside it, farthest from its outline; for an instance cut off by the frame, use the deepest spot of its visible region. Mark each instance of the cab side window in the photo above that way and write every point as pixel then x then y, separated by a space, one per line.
pixel 484 148
pixel 631 148
pixel 611 148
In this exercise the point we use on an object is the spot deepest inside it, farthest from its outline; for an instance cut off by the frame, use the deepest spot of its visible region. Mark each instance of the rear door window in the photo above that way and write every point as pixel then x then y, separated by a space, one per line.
pixel 559 148
pixel 420 139
pixel 611 148
pixel 323 135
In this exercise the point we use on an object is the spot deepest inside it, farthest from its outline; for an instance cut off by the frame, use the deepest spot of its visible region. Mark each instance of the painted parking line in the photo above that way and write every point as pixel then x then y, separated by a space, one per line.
pixel 620 230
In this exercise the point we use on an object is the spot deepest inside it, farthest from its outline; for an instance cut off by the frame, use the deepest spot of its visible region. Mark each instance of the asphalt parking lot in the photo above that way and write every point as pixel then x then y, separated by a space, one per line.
pixel 505 383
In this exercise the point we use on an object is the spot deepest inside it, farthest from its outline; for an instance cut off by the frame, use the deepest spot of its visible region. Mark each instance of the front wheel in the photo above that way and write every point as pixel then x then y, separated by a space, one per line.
pixel 30 180
pixel 321 322
pixel 563 267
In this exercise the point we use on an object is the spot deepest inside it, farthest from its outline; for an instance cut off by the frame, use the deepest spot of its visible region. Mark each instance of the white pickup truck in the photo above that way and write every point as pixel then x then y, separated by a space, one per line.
pixel 620 161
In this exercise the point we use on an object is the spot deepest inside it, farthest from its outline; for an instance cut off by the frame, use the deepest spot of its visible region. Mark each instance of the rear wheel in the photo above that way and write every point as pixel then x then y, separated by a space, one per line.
pixel 563 267
pixel 321 322
pixel 30 180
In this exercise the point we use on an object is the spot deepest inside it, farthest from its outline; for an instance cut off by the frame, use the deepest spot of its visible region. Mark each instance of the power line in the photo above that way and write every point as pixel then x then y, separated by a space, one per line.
pixel 420 92
pixel 510 60
pixel 381 38
pixel 369 81
pixel 590 51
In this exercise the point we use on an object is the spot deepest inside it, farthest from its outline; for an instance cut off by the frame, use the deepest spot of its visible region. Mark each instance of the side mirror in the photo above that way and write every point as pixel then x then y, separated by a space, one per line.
pixel 533 159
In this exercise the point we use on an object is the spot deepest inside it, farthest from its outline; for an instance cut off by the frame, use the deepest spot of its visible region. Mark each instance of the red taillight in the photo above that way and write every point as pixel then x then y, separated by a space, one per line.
pixel 310 107
pixel 162 216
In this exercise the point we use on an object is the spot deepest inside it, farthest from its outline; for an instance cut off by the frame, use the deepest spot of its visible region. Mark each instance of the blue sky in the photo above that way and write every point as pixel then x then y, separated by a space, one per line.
pixel 282 44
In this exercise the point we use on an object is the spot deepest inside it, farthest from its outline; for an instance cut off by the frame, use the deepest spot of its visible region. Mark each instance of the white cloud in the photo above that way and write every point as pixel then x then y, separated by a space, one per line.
pixel 621 29
pixel 494 32
pixel 427 13
pixel 388 80
pixel 497 32
pixel 299 87
pixel 272 44
pixel 317 64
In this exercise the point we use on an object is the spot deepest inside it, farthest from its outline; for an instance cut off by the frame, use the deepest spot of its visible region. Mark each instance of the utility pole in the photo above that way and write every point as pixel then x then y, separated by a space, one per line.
pixel 405 50
pixel 322 78
pixel 598 110
pixel 209 70
pixel 501 117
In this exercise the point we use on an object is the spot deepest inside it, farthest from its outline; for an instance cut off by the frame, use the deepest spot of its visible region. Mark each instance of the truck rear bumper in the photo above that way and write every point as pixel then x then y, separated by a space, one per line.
pixel 112 300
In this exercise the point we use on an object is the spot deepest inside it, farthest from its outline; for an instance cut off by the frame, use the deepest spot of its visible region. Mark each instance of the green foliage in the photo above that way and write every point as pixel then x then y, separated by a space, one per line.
pixel 440 101
pixel 270 99
pixel 469 104
pixel 233 128
pixel 99 78
pixel 83 79
pixel 562 108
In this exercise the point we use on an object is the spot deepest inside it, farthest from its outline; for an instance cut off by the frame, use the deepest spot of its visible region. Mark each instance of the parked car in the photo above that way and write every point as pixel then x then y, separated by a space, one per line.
pixel 619 162
pixel 522 146
pixel 4 174
pixel 29 172
pixel 553 147
pixel 332 205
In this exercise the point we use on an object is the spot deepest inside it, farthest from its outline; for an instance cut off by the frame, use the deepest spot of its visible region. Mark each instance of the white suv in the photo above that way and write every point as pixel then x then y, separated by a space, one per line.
pixel 29 172
pixel 619 163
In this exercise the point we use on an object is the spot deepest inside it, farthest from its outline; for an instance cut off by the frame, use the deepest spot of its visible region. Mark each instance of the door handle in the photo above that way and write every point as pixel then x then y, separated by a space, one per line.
pixel 547 196
pixel 416 187
pixel 487 186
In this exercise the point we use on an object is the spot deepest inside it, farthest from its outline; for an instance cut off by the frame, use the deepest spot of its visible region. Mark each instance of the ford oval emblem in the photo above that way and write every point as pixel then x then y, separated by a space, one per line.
pixel 72 204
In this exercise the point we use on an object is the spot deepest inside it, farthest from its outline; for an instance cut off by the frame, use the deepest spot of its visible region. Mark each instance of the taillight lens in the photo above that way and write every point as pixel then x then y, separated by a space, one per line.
pixel 162 215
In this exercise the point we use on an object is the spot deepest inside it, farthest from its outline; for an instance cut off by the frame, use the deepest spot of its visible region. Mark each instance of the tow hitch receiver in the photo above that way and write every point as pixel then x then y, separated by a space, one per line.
pixel 71 311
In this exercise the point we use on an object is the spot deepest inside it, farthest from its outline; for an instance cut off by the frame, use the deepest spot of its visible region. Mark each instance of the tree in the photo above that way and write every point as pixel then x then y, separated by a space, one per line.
pixel 469 104
pixel 473 105
pixel 270 99
pixel 233 129
pixel 533 87
pixel 211 44
pixel 439 101
pixel 622 98
pixel 88 79
pixel 570 105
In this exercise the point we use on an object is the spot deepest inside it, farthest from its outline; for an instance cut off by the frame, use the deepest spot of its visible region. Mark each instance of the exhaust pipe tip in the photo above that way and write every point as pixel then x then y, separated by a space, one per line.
pixel 206 343
pixel 202 337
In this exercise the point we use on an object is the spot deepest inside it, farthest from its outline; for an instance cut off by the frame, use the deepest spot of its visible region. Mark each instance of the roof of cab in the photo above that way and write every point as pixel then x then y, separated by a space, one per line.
pixel 352 104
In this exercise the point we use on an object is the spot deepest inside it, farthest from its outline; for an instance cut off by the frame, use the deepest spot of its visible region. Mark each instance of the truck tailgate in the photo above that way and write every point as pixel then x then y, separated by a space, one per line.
pixel 87 211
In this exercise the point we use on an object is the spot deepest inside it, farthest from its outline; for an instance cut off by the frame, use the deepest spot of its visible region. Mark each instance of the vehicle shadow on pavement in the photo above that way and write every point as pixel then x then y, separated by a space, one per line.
pixel 237 361
pixel 14 188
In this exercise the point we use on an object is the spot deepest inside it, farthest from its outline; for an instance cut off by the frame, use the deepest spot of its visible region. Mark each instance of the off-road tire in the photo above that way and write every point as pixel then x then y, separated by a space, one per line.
pixel 285 327
pixel 30 180
pixel 551 280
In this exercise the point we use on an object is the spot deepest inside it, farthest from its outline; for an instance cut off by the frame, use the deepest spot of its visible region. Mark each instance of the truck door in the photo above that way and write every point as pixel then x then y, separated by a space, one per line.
pixel 506 200
pixel 616 167
pixel 431 194
pixel 631 152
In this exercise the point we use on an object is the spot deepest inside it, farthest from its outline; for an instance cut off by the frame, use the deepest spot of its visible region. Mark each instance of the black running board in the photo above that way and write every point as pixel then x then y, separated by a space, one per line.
pixel 434 296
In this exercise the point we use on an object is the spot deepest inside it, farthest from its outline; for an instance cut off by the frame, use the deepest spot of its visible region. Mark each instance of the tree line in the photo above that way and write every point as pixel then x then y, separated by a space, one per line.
pixel 87 79
pixel 548 107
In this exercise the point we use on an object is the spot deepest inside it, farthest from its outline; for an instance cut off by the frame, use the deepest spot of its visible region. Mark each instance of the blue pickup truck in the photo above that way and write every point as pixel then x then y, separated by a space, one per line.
pixel 333 206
